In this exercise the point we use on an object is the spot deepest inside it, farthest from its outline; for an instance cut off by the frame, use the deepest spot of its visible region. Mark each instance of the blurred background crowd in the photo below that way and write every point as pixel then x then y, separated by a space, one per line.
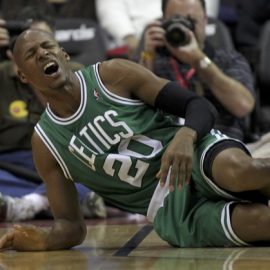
pixel 236 38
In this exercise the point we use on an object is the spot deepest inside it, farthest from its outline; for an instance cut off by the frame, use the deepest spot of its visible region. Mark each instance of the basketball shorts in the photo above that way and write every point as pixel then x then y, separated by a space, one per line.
pixel 198 215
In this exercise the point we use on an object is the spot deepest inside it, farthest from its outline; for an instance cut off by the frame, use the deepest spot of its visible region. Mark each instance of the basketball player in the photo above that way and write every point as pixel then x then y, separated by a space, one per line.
pixel 104 127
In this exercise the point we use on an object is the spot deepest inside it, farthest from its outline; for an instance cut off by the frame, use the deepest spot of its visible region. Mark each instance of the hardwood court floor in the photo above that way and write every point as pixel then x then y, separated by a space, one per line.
pixel 131 244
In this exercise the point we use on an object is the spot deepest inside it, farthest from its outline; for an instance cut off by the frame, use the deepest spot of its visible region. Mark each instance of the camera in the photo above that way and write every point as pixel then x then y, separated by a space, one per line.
pixel 176 30
pixel 14 28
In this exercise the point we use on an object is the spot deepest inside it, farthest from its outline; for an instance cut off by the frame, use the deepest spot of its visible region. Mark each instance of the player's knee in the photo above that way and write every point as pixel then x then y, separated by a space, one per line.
pixel 237 174
pixel 251 217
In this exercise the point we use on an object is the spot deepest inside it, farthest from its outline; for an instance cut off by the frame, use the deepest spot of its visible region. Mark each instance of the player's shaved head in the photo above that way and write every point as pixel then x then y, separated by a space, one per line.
pixel 28 39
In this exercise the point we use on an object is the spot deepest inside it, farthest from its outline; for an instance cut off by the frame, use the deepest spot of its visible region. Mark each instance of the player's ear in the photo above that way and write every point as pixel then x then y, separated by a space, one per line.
pixel 65 54
pixel 22 76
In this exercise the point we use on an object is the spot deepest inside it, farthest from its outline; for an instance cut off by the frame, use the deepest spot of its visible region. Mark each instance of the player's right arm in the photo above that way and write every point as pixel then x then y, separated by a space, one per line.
pixel 68 228
pixel 130 80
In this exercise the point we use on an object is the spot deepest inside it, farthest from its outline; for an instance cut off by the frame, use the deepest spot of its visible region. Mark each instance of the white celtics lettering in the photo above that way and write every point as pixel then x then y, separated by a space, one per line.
pixel 96 130
pixel 82 152
pixel 94 136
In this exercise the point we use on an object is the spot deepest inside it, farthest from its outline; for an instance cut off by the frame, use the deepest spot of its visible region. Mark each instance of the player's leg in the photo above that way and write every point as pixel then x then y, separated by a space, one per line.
pixel 232 169
pixel 203 223
pixel 185 220
pixel 251 222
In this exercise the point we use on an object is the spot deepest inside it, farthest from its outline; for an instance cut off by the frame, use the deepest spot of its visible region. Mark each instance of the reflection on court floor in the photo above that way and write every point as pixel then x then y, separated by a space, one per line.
pixel 131 244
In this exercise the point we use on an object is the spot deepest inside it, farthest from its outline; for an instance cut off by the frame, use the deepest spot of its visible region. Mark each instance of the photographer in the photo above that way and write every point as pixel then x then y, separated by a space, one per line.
pixel 4 35
pixel 223 77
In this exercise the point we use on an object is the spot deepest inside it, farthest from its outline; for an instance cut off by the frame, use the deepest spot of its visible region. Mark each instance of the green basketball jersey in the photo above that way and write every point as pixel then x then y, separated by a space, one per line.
pixel 112 144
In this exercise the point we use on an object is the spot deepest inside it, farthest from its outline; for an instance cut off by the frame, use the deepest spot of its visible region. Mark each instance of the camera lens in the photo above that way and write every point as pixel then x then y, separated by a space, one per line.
pixel 176 35
pixel 176 30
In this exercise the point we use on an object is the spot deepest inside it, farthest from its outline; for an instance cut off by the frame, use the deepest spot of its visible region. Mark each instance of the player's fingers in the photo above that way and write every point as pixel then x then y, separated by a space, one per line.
pixel 181 174
pixel 164 168
pixel 189 171
pixel 185 172
pixel 26 230
pixel 7 240
pixel 173 174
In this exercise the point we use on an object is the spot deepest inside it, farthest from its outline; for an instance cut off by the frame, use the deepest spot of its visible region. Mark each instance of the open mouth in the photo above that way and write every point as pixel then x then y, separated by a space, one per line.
pixel 51 68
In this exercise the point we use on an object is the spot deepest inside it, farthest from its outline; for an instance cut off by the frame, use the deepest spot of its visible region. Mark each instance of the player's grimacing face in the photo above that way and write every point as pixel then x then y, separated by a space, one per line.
pixel 40 60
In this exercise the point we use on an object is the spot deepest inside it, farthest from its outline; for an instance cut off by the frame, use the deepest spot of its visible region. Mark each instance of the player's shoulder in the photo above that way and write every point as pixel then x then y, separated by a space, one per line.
pixel 117 65
pixel 116 70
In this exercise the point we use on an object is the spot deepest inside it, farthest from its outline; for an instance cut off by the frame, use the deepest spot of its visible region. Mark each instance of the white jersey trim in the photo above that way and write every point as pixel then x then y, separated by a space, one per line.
pixel 112 96
pixel 73 118
pixel 53 150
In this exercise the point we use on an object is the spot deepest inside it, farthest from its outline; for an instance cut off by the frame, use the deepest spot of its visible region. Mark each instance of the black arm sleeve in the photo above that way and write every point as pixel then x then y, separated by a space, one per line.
pixel 199 113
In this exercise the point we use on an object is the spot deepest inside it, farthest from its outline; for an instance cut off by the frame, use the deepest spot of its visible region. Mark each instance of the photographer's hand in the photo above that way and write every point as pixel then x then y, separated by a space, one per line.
pixel 4 35
pixel 153 38
pixel 190 53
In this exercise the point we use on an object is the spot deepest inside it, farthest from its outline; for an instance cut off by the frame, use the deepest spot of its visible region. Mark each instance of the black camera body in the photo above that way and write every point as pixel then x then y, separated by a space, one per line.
pixel 14 28
pixel 176 30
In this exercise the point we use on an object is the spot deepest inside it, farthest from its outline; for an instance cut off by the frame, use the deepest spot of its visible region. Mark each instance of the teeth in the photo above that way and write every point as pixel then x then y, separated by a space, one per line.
pixel 48 65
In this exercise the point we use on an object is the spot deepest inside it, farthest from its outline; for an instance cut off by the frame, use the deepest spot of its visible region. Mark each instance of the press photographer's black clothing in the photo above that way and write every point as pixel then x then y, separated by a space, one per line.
pixel 252 15
pixel 231 63
pixel 19 111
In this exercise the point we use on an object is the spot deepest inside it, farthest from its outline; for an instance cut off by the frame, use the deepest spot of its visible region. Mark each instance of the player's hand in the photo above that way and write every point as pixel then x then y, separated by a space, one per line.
pixel 178 156
pixel 24 238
